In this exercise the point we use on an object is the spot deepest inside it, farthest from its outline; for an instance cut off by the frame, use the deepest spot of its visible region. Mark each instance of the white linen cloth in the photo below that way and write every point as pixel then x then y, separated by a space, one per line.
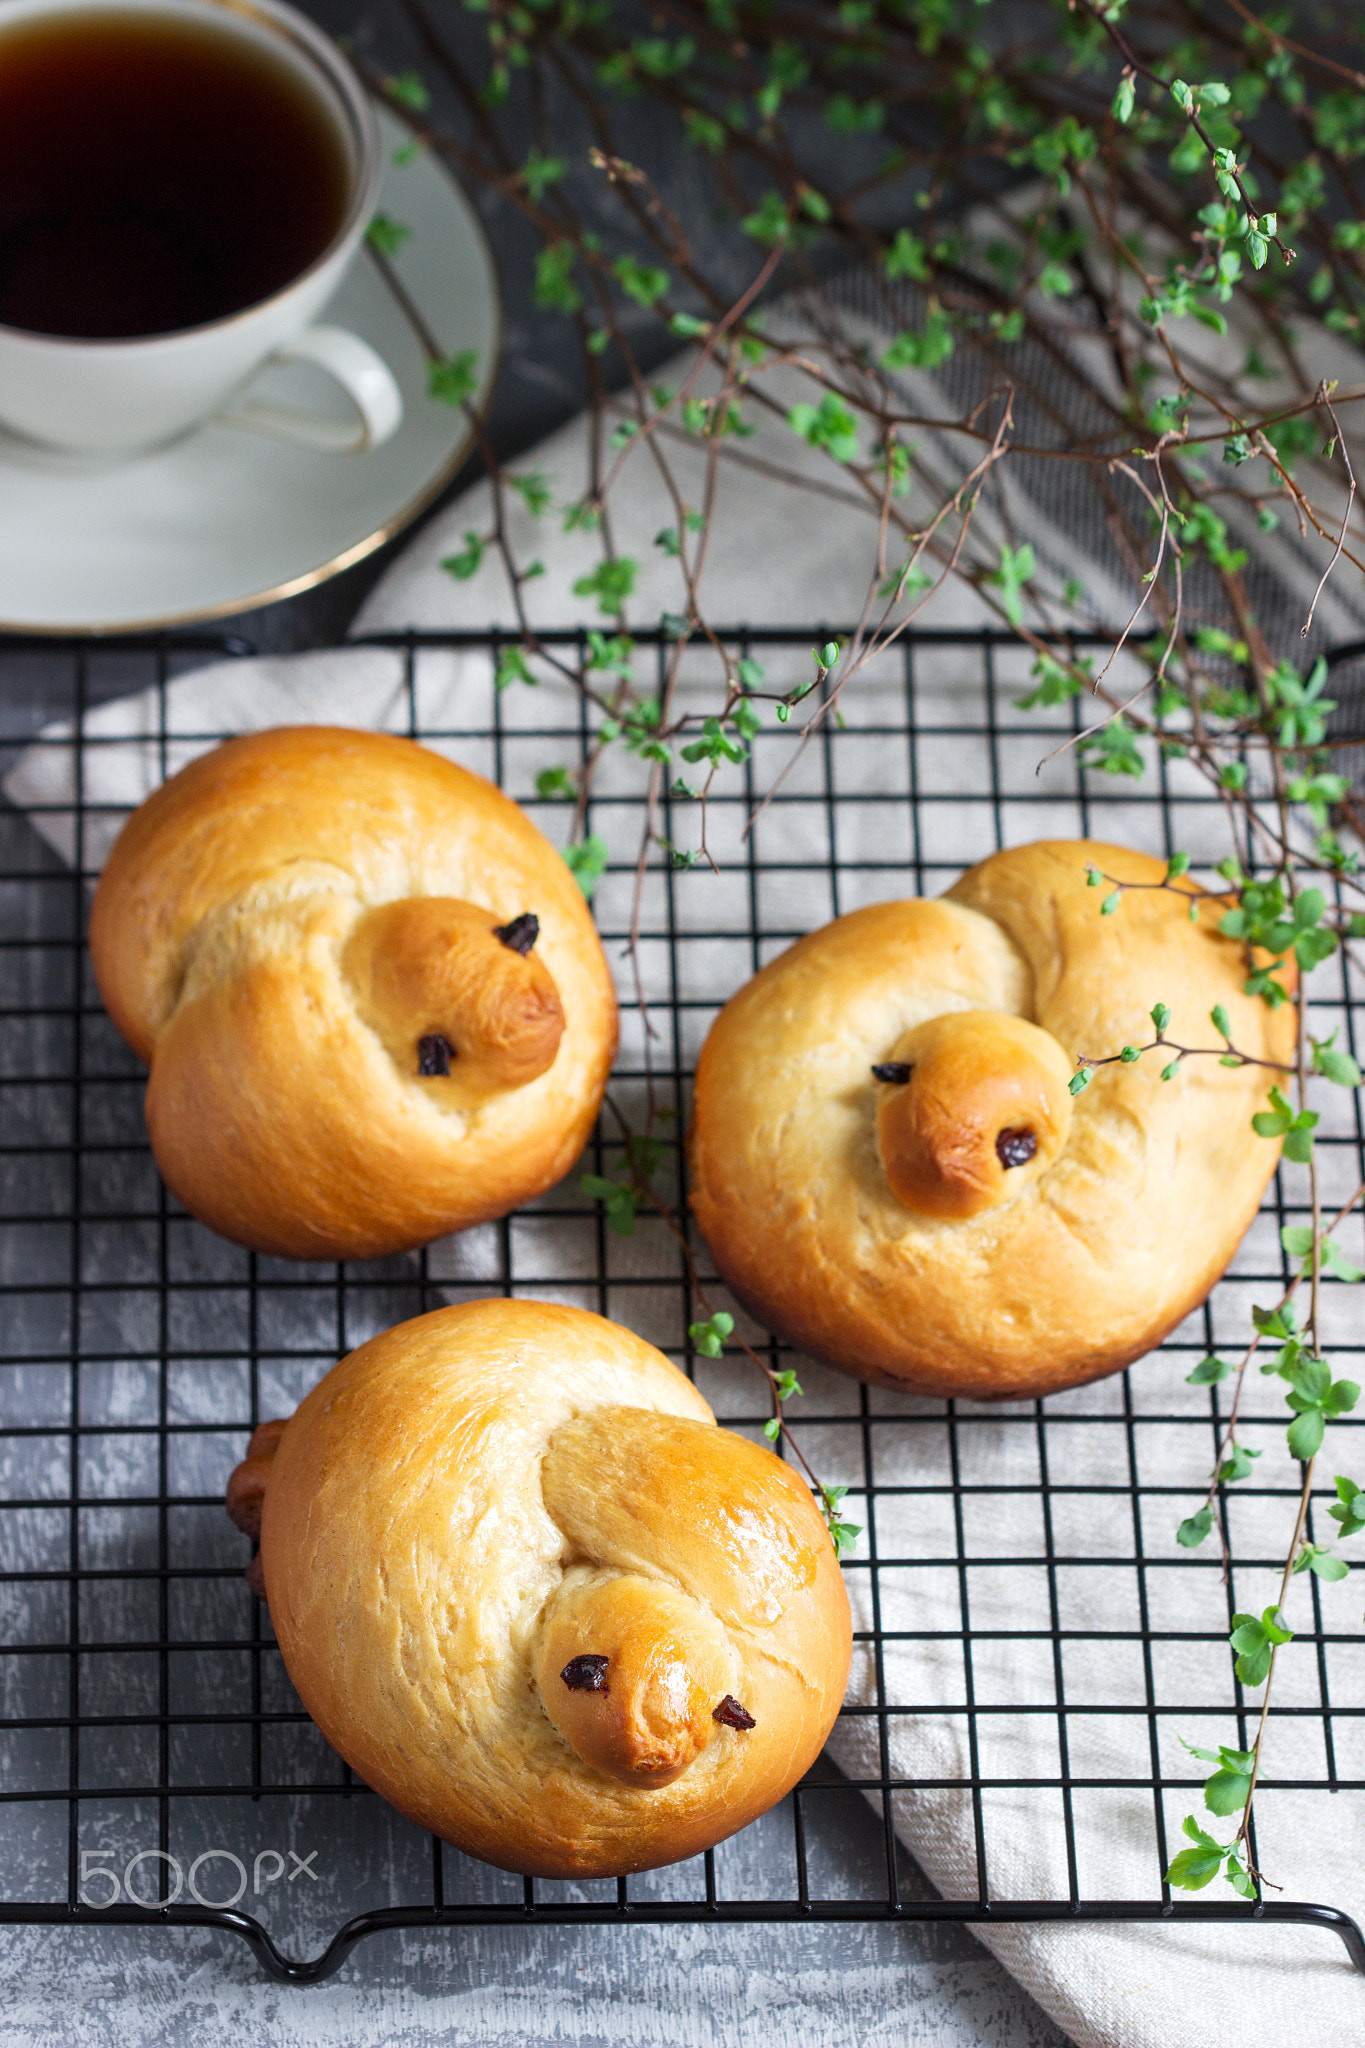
pixel 779 557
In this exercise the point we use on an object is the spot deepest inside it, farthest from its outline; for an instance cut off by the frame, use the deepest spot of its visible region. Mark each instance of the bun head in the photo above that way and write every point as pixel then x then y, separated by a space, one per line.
pixel 631 1672
pixel 974 1106
pixel 635 1668
pixel 457 998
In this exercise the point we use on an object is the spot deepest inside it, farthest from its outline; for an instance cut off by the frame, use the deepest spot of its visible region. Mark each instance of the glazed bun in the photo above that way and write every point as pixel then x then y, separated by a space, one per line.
pixel 533 1595
pixel 888 1165
pixel 369 991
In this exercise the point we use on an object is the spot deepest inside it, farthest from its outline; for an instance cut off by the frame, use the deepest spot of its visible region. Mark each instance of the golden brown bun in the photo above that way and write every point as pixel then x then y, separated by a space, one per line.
pixel 882 1225
pixel 289 932
pixel 515 1569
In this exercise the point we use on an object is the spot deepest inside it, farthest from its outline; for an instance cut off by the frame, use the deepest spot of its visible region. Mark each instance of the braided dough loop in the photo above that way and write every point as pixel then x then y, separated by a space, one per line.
pixel 319 941
pixel 965 1227
pixel 477 1502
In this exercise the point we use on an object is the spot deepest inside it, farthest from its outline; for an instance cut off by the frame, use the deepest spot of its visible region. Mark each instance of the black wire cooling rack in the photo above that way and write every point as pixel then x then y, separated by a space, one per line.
pixel 158 1767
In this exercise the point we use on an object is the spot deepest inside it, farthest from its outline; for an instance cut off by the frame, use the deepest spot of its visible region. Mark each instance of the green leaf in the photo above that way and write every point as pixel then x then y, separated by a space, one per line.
pixel 1208 1372
pixel 1237 1464
pixel 772 1428
pixel 614 654
pixel 539 172
pixel 618 1199
pixel 1305 1434
pixel 643 282
pixel 769 222
pixel 1333 1065
pixel 1017 567
pixel 908 257
pixel 511 669
pixel 1114 751
pixel 1275 1121
pixel 1194 1529
pixel 386 235
pixel 1254 1640
pixel 587 862
pixel 1324 1566
pixel 1298 1143
pixel 830 426
pixel 1080 1080
pixel 1192 1869
pixel 1219 1018
pixel 786 1385
pixel 611 583
pixel 466 563
pixel 533 488
pixel 409 91
pixel 1227 1792
pixel 923 351
pixel 709 1337
pixel 1336 1263
pixel 1058 684
pixel 455 379
pixel 1124 99
pixel 1275 1322
pixel 1111 903
pixel 555 784
pixel 553 287
pixel 1161 1016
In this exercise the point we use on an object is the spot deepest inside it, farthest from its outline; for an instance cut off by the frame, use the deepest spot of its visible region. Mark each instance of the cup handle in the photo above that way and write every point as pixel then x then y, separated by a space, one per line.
pixel 366 379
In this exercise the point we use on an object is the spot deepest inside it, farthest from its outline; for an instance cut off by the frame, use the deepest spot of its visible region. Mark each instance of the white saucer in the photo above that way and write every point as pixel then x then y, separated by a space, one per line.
pixel 227 518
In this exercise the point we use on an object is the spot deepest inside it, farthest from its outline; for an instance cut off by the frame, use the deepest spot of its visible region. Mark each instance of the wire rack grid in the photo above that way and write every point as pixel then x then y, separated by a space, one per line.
pixel 158 1766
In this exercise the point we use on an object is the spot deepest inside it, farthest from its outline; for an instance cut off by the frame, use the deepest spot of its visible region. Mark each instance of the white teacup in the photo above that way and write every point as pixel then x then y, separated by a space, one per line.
pixel 112 397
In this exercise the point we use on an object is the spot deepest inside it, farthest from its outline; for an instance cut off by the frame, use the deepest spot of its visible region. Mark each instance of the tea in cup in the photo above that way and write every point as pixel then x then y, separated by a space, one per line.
pixel 182 185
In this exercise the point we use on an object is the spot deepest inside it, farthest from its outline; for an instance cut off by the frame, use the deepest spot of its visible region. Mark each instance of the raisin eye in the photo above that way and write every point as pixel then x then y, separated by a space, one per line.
pixel 732 1715
pixel 434 1055
pixel 1016 1148
pixel 898 1072
pixel 586 1674
pixel 521 934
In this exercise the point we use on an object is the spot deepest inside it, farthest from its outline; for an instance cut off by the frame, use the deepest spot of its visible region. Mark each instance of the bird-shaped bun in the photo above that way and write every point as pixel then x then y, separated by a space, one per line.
pixel 535 1597
pixel 889 1167
pixel 369 991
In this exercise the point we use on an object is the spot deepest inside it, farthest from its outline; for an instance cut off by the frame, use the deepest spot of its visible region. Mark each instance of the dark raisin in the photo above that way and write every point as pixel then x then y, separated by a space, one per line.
pixel 898 1072
pixel 586 1674
pixel 521 934
pixel 1016 1148
pixel 732 1715
pixel 434 1055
